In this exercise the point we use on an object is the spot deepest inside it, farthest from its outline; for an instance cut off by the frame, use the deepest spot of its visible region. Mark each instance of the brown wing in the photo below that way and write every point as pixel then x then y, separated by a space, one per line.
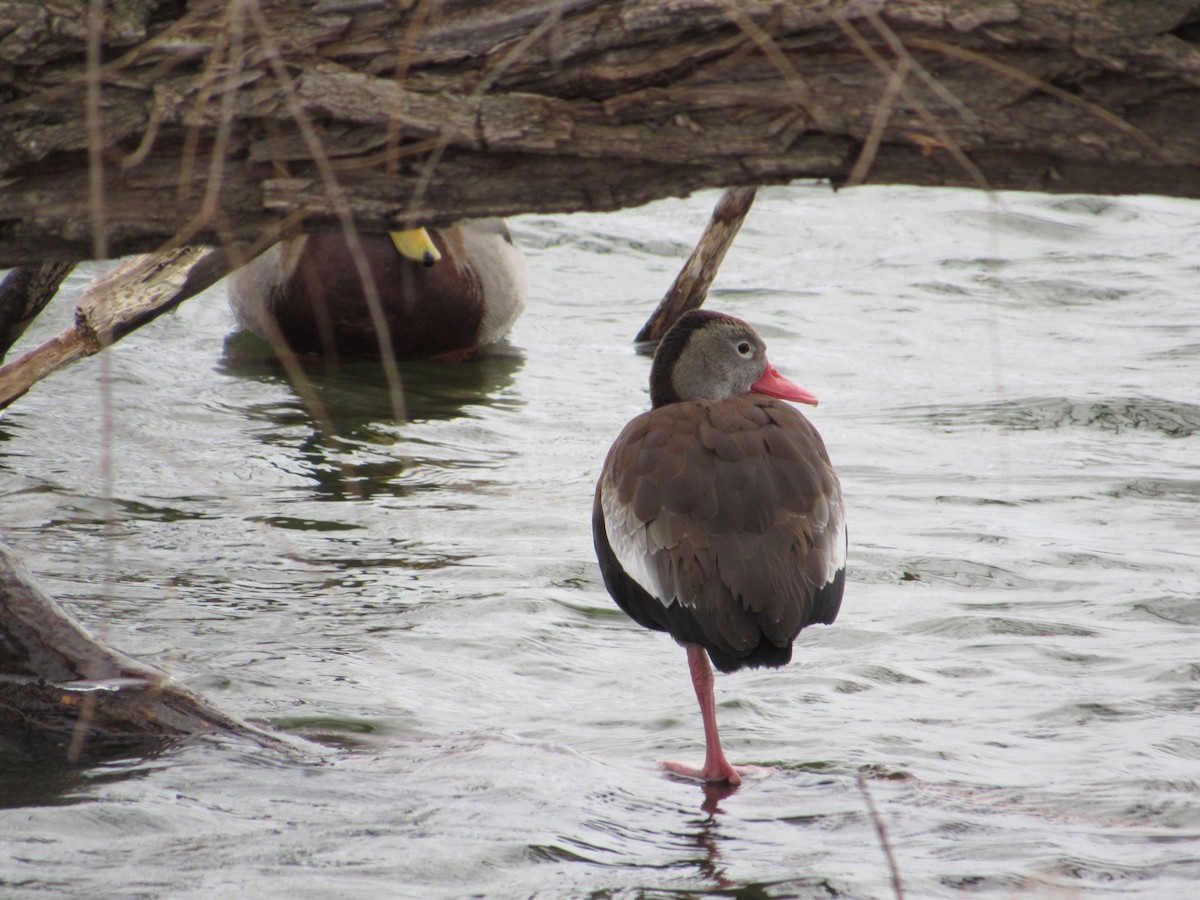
pixel 732 510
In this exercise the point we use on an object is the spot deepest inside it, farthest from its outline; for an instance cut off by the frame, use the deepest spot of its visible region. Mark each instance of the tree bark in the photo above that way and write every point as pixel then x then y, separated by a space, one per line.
pixel 222 123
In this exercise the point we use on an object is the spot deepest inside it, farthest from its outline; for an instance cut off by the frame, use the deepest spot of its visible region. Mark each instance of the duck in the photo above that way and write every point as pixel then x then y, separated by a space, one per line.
pixel 444 292
pixel 718 517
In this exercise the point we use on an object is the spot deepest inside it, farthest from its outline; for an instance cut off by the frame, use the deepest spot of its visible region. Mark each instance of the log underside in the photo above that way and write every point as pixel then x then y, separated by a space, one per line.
pixel 223 123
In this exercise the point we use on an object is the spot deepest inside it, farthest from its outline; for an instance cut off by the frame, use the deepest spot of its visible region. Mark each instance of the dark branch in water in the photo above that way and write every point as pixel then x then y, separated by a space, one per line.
pixel 66 697
pixel 692 284
pixel 24 293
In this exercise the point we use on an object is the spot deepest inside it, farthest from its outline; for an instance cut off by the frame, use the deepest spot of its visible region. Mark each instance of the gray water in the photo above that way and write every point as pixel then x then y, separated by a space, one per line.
pixel 1011 392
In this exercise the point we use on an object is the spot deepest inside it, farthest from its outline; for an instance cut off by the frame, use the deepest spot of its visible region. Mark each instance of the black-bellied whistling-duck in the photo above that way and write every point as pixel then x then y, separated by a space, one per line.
pixel 718 516
pixel 443 291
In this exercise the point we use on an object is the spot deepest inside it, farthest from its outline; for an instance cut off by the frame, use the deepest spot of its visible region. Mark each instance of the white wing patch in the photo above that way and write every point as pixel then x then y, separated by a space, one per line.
pixel 836 535
pixel 631 544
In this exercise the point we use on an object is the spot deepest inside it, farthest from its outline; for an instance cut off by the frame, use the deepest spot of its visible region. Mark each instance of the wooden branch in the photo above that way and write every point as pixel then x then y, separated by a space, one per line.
pixel 67 697
pixel 135 292
pixel 692 283
pixel 228 121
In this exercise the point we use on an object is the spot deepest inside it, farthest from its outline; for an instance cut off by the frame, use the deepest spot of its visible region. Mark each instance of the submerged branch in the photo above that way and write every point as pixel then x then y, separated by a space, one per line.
pixel 65 696
pixel 692 283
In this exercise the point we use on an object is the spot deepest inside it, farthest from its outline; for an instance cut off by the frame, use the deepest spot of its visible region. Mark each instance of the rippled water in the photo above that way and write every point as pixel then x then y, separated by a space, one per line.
pixel 1011 392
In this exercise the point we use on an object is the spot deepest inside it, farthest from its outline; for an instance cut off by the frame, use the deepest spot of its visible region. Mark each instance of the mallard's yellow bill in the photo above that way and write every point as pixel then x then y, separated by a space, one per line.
pixel 416 245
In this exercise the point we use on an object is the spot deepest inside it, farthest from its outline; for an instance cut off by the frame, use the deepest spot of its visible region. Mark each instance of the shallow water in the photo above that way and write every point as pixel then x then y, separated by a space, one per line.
pixel 1011 392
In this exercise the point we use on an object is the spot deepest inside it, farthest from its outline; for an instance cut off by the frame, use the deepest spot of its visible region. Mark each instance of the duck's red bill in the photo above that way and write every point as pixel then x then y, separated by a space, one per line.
pixel 775 385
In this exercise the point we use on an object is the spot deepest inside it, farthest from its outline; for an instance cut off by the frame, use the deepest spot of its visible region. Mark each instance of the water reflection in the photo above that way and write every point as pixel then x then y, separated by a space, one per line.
pixel 355 394
pixel 707 834
pixel 32 780
pixel 339 427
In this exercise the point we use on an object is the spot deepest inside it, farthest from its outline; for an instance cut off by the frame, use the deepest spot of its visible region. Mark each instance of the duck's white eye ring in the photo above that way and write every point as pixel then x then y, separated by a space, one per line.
pixel 744 348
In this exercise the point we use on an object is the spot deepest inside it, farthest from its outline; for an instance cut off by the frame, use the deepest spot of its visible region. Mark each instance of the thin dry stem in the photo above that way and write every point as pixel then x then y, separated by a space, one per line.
pixel 425 176
pixel 778 58
pixel 340 203
pixel 897 46
pixel 217 157
pixel 191 143
pixel 403 61
pixel 883 112
pixel 95 130
pixel 945 140
pixel 881 834
pixel 142 150
pixel 1146 142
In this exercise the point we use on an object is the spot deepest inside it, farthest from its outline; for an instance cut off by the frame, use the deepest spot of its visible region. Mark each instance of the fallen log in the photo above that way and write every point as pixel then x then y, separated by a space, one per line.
pixel 162 123
pixel 66 697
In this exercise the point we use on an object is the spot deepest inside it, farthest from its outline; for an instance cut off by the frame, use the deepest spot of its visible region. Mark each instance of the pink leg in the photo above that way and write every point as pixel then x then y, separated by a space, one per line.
pixel 716 766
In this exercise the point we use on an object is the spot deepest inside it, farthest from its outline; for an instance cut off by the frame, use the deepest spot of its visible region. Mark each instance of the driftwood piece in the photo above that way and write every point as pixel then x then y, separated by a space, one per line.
pixel 67 697
pixel 224 122
pixel 691 285
pixel 133 293
pixel 24 293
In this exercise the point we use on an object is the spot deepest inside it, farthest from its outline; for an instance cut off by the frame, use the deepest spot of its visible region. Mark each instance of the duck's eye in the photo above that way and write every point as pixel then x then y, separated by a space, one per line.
pixel 744 348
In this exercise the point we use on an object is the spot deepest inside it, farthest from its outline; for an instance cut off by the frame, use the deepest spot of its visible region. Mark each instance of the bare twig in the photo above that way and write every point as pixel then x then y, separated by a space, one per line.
pixel 191 144
pixel 943 136
pixel 883 112
pixel 795 81
pixel 142 150
pixel 95 130
pixel 125 298
pixel 95 139
pixel 217 157
pixel 552 18
pixel 902 53
pixel 881 833
pixel 403 61
pixel 1146 142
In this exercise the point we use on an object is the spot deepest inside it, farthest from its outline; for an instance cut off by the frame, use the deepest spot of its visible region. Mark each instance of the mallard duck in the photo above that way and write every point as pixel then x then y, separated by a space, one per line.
pixel 718 517
pixel 443 292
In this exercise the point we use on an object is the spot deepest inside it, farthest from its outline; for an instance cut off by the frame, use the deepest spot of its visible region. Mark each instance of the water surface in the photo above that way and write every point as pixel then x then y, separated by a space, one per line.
pixel 1011 392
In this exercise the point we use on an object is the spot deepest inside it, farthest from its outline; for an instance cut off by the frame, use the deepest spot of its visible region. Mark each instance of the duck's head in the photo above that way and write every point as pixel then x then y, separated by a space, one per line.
pixel 712 356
